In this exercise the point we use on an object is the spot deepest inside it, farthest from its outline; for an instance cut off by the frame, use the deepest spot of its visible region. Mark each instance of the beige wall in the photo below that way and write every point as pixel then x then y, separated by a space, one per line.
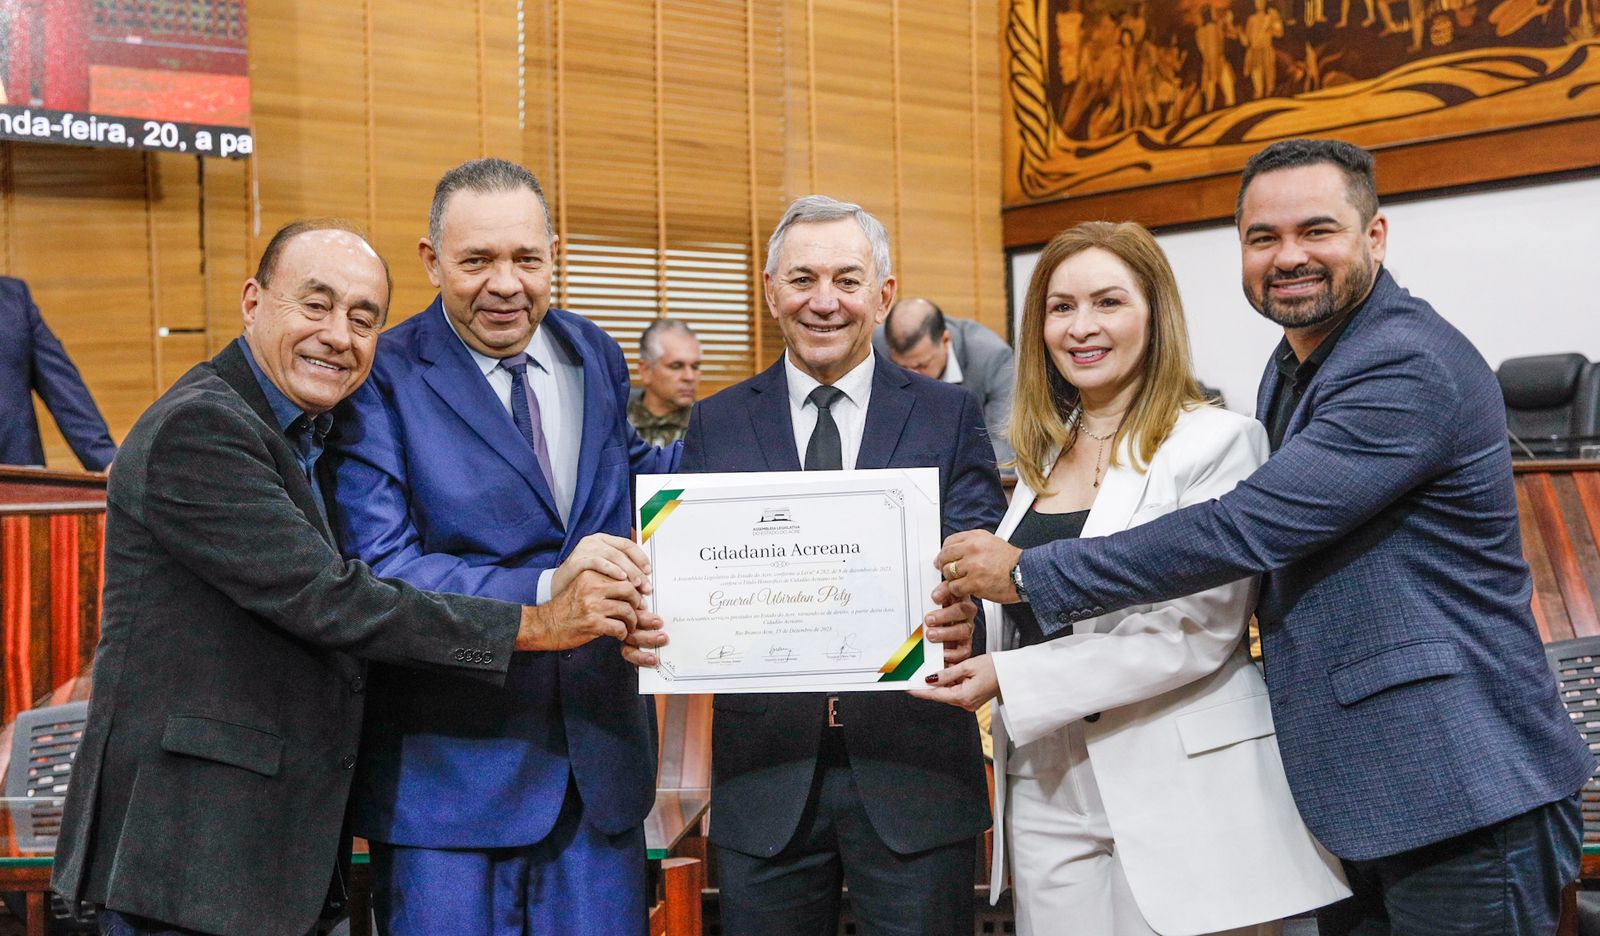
pixel 673 122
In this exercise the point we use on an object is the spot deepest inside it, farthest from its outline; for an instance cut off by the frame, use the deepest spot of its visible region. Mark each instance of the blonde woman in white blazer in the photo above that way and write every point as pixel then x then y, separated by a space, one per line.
pixel 1138 787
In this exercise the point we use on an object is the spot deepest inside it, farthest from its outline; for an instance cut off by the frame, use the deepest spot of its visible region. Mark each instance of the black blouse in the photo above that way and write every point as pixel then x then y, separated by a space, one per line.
pixel 1036 529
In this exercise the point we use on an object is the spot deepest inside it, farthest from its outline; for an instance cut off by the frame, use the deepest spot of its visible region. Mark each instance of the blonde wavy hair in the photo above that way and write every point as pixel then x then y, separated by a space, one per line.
pixel 1043 415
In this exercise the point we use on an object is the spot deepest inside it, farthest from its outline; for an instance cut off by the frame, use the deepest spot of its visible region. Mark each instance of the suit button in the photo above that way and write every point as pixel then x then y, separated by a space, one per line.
pixel 358 683
pixel 1092 717
pixel 1063 618
pixel 348 762
pixel 566 654
pixel 1099 610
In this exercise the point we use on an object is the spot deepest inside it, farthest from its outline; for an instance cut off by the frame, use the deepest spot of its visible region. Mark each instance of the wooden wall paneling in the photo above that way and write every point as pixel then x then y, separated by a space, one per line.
pixel 608 169
pixel 177 282
pixel 992 307
pixel 705 176
pixel 853 84
pixel 6 193
pixel 308 73
pixel 225 213
pixel 65 598
pixel 1549 607
pixel 538 93
pixel 938 205
pixel 427 120
pixel 501 127
pixel 80 237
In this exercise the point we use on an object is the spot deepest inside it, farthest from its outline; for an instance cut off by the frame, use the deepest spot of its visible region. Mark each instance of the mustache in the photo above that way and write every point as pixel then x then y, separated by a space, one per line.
pixel 1303 270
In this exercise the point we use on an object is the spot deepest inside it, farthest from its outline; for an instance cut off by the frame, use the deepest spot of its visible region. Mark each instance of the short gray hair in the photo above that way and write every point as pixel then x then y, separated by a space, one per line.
pixel 482 176
pixel 650 340
pixel 820 209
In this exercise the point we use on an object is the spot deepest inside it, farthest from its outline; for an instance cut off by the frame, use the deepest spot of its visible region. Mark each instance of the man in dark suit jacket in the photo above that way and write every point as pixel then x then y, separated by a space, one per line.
pixel 918 336
pixel 479 798
pixel 209 791
pixel 1420 727
pixel 32 360
pixel 878 790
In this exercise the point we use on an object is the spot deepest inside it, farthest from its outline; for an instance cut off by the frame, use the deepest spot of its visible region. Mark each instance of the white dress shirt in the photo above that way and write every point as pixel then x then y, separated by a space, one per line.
pixel 556 376
pixel 849 413
pixel 952 367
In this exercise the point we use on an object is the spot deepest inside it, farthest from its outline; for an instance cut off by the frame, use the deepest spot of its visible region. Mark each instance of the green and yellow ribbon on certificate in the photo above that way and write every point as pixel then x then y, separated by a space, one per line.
pixel 791 582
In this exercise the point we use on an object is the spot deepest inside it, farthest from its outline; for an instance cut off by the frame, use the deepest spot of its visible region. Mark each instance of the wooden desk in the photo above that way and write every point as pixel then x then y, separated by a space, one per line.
pixel 1559 503
pixel 52 538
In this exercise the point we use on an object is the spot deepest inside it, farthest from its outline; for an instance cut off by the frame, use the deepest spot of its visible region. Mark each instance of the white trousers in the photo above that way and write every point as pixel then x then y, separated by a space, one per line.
pixel 1066 877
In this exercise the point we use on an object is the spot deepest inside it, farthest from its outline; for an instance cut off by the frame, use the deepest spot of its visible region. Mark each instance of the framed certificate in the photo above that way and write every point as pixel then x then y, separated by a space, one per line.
pixel 812 581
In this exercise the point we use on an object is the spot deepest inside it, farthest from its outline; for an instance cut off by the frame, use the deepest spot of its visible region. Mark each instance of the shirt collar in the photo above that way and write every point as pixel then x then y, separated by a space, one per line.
pixel 283 409
pixel 952 367
pixel 854 384
pixel 1300 372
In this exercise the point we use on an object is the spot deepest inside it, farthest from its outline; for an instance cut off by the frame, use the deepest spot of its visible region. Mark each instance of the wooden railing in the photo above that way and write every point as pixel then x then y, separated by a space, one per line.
pixel 52 539
pixel 1560 506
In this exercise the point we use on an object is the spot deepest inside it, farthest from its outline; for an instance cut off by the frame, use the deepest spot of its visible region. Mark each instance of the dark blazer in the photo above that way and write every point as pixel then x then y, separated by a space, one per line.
pixel 1408 684
pixel 917 764
pixel 434 485
pixel 988 369
pixel 31 359
pixel 211 784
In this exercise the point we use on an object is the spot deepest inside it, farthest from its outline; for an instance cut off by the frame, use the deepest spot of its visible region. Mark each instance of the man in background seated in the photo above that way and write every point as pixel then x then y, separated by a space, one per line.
pixel 32 360
pixel 1420 727
pixel 490 454
pixel 874 790
pixel 919 337
pixel 669 378
pixel 209 791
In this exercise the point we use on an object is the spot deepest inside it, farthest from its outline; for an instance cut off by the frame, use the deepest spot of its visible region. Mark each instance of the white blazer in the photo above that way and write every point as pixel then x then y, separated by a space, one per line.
pixel 1183 751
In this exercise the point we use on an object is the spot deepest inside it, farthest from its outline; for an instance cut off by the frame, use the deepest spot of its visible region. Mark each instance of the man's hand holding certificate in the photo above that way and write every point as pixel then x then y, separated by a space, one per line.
pixel 795 582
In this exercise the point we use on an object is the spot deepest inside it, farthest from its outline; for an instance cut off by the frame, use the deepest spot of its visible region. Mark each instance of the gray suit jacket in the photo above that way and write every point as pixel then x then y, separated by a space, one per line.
pixel 209 791
pixel 988 369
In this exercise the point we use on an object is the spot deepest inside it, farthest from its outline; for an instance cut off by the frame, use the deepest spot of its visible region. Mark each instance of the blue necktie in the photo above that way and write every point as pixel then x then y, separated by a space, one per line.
pixel 525 413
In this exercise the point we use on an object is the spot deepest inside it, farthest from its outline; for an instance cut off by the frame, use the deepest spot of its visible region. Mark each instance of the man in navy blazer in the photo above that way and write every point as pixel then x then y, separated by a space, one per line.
pixel 1420 726
pixel 32 359
pixel 490 454
pixel 877 790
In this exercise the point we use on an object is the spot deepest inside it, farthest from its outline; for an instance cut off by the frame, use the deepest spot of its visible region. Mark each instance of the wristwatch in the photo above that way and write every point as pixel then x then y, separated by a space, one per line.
pixel 1016 582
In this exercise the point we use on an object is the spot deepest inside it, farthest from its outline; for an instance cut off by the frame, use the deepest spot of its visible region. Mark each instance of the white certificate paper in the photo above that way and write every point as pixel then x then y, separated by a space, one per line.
pixel 812 581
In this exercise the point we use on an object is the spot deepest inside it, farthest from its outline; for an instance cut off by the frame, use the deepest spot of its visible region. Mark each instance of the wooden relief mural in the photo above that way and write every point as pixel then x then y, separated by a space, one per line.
pixel 1103 95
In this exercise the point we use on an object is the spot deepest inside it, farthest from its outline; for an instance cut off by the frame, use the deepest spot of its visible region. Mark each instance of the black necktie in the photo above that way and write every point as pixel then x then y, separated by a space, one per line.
pixel 825 452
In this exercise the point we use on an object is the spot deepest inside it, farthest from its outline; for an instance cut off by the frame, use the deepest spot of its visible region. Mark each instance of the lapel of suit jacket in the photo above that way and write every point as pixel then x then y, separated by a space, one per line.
pixel 596 427
pixel 453 374
pixel 888 415
pixel 1379 299
pixel 770 419
pixel 1121 490
pixel 235 370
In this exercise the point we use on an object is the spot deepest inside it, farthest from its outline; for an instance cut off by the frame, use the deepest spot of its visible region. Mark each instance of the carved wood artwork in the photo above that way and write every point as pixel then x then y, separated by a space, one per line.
pixel 1108 95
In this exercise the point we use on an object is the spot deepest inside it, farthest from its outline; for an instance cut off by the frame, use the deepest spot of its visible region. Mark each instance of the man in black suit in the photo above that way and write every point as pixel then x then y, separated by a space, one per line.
pixel 209 791
pixel 876 790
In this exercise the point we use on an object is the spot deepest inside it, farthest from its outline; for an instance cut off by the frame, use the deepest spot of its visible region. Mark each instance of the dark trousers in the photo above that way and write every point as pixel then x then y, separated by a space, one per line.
pixel 796 892
pixel 1502 880
pixel 113 923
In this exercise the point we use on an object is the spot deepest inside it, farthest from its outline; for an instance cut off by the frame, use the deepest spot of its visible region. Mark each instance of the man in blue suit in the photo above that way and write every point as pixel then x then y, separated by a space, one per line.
pixel 876 790
pixel 32 359
pixel 1419 724
pixel 490 454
